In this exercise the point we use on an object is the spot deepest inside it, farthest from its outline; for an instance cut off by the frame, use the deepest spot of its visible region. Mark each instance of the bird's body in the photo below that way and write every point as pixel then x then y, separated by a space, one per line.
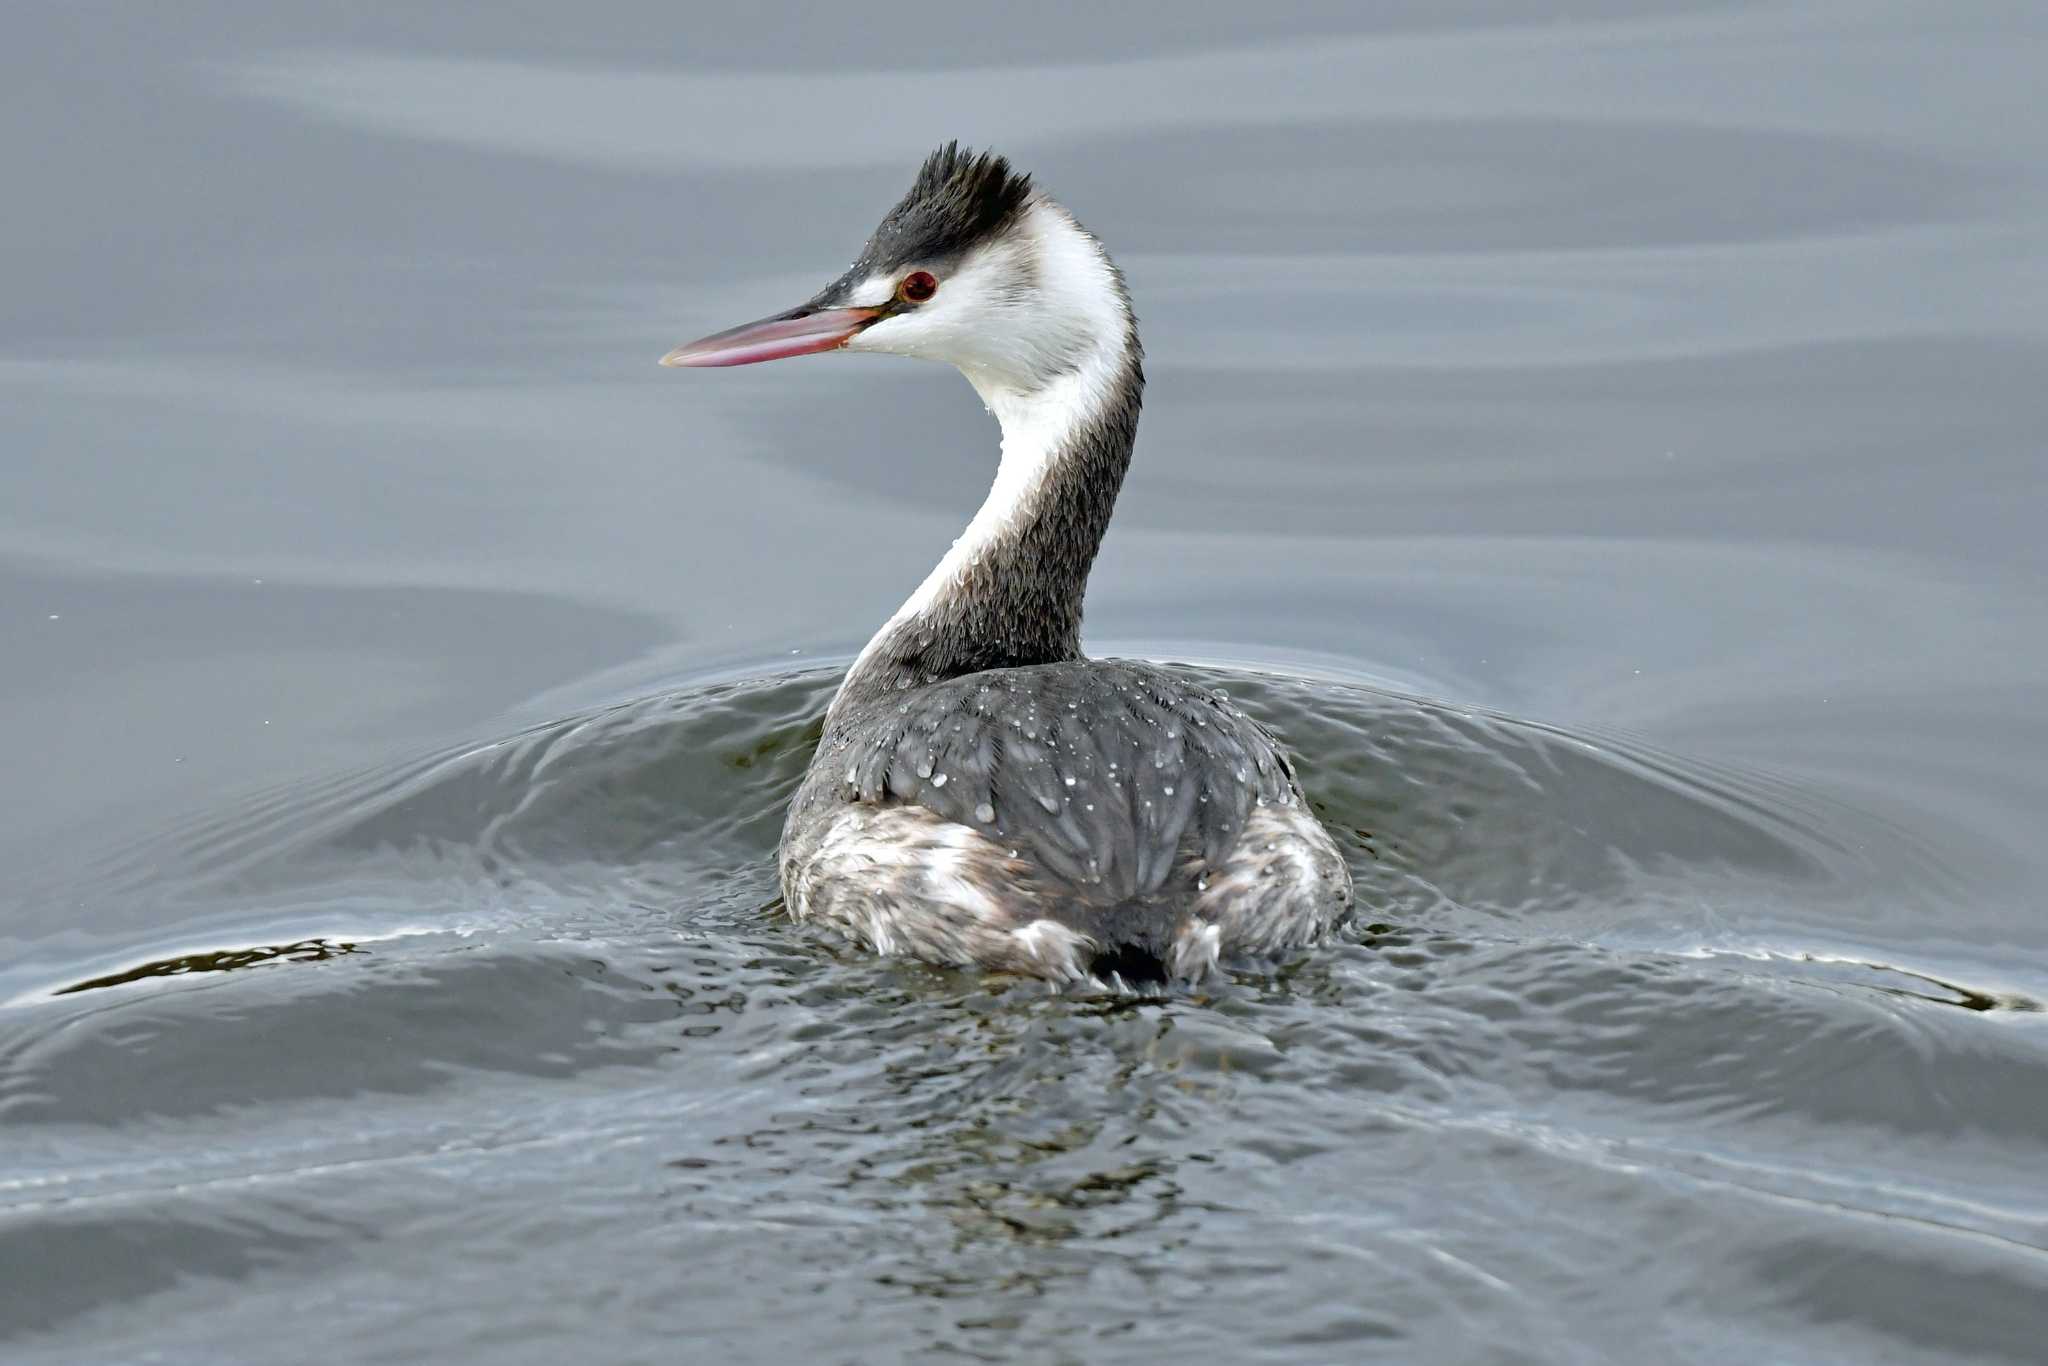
pixel 1065 820
pixel 984 794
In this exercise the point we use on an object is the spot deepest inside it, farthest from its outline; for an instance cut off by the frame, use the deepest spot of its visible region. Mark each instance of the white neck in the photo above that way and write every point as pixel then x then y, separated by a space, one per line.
pixel 1041 417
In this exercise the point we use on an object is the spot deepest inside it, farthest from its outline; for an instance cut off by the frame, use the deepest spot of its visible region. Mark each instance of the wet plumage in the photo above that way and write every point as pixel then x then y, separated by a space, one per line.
pixel 1150 821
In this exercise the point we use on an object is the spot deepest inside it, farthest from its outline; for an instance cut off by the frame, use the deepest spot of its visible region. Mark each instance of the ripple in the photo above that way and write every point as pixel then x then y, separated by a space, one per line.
pixel 1792 72
pixel 666 809
pixel 592 994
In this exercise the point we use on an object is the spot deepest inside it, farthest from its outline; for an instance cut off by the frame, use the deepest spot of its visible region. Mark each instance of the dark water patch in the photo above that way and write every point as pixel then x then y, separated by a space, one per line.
pixel 62 1266
pixel 1952 1297
pixel 683 790
pixel 223 960
pixel 1891 980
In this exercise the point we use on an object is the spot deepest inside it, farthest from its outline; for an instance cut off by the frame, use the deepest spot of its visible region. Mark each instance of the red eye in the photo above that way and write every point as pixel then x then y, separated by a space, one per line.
pixel 918 286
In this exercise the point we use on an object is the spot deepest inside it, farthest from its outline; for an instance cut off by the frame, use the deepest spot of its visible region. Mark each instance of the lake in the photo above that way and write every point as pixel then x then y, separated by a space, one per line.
pixel 1605 439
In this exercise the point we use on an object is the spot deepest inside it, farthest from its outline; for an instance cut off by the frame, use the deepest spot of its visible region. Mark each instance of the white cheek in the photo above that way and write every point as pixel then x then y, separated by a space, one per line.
pixel 953 327
pixel 1016 314
pixel 956 326
pixel 906 334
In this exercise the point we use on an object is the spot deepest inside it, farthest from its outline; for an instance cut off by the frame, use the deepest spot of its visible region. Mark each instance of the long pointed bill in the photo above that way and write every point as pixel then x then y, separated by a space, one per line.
pixel 786 334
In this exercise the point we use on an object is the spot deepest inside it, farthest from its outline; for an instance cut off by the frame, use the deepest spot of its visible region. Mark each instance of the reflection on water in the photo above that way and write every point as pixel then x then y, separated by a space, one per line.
pixel 1606 445
pixel 314 950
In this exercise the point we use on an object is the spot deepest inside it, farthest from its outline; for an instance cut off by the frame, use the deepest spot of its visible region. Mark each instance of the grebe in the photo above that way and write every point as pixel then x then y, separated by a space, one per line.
pixel 985 795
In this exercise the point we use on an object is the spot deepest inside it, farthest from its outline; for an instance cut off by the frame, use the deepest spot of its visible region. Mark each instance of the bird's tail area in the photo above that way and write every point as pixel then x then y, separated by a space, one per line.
pixel 1140 942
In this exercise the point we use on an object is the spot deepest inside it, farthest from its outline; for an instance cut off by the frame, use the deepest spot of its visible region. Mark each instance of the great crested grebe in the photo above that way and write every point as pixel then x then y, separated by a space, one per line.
pixel 984 794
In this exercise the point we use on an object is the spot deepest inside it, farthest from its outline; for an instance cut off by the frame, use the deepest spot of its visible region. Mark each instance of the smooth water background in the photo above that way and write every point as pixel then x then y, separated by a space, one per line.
pixel 1605 437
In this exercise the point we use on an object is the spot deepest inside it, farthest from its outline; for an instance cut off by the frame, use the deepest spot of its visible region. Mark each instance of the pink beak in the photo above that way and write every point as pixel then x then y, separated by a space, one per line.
pixel 789 334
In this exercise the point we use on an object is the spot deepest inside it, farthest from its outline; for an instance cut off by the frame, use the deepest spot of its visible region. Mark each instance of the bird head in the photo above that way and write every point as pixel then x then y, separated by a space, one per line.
pixel 974 267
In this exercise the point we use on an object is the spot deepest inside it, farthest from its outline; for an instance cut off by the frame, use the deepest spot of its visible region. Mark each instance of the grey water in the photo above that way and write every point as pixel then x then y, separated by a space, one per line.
pixel 1605 438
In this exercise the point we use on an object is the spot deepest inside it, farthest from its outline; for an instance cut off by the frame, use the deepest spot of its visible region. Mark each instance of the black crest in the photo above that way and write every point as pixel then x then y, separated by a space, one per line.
pixel 960 198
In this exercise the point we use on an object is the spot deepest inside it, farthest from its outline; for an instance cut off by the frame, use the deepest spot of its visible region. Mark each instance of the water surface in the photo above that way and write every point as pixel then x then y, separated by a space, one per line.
pixel 1608 448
